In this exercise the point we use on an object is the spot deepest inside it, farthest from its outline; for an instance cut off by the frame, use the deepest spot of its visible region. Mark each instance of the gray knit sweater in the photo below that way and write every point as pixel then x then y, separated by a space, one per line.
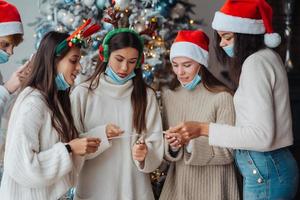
pixel 207 173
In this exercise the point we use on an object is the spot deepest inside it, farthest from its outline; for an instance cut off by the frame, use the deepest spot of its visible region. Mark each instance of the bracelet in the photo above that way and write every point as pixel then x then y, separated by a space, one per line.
pixel 68 147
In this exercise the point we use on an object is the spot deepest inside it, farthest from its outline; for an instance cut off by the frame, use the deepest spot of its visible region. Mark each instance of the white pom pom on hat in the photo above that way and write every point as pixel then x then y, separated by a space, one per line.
pixel 249 17
pixel 272 40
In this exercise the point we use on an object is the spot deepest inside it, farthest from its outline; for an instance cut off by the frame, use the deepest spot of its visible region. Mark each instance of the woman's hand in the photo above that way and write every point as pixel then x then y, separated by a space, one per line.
pixel 83 146
pixel 139 151
pixel 14 82
pixel 190 130
pixel 175 140
pixel 113 131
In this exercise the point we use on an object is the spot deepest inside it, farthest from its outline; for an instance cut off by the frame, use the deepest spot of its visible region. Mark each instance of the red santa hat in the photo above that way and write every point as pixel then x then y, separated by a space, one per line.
pixel 247 16
pixel 10 20
pixel 192 44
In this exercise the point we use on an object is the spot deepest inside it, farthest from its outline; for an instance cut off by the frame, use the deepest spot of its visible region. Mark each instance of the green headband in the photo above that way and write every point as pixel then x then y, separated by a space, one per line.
pixel 77 38
pixel 112 33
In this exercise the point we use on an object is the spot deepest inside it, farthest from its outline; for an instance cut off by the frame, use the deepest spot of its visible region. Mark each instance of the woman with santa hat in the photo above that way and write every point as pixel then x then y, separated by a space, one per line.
pixel 11 35
pixel 263 128
pixel 197 170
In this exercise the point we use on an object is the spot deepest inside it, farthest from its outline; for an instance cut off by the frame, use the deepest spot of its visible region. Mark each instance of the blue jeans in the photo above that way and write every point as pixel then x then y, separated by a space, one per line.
pixel 269 175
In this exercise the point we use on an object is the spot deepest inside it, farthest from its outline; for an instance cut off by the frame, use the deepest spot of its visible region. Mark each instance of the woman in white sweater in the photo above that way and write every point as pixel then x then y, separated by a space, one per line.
pixel 116 98
pixel 263 129
pixel 42 139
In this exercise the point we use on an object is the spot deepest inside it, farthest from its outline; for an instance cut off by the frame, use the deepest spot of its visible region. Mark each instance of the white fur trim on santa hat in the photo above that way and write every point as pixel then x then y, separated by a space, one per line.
pixel 272 40
pixel 10 28
pixel 189 50
pixel 224 22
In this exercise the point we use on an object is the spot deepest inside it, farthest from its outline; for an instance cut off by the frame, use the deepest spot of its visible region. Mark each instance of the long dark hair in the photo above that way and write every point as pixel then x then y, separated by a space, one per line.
pixel 43 79
pixel 209 81
pixel 139 93
pixel 244 46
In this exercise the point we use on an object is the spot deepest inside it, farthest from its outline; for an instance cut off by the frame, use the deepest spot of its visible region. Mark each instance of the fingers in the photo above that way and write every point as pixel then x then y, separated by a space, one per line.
pixel 113 131
pixel 92 139
pixel 22 67
pixel 141 146
pixel 176 128
pixel 139 152
pixel 175 140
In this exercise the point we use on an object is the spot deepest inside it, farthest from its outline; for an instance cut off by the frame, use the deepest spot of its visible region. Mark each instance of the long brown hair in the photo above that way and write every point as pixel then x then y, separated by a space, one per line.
pixel 244 46
pixel 43 79
pixel 139 93
pixel 209 81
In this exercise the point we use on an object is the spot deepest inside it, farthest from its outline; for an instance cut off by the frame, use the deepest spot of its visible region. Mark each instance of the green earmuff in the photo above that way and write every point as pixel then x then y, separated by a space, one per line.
pixel 104 48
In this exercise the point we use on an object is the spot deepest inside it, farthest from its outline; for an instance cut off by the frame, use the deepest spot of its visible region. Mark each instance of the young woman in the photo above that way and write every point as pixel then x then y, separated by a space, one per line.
pixel 42 139
pixel 263 129
pixel 197 171
pixel 116 98
pixel 11 35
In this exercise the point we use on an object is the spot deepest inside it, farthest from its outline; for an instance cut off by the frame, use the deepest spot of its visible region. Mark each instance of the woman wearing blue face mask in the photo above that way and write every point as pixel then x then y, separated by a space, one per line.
pixel 117 98
pixel 11 35
pixel 263 129
pixel 196 168
pixel 42 142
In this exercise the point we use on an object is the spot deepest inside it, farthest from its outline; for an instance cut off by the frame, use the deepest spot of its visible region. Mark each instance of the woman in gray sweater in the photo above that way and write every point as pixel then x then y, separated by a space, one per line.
pixel 198 170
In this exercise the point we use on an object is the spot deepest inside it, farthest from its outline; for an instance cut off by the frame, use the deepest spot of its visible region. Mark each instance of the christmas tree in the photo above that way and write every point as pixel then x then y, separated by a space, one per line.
pixel 157 21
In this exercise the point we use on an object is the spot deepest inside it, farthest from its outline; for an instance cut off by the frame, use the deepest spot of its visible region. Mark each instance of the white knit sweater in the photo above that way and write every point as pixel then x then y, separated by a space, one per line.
pixel 262 105
pixel 37 165
pixel 111 173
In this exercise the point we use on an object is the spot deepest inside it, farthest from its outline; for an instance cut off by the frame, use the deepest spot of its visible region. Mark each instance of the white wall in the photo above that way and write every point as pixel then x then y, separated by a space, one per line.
pixel 29 11
pixel 205 9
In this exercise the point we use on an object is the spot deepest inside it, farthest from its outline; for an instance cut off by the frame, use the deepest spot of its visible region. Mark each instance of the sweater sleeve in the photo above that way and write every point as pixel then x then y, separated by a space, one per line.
pixel 254 110
pixel 79 99
pixel 24 161
pixel 201 152
pixel 4 97
pixel 168 154
pixel 154 138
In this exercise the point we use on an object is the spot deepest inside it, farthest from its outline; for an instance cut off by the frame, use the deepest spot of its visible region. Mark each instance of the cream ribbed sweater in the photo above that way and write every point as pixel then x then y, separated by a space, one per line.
pixel 262 105
pixel 207 173
pixel 111 173
pixel 37 166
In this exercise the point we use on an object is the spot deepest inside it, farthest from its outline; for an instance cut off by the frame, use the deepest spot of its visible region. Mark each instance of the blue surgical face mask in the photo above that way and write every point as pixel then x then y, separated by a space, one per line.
pixel 229 50
pixel 192 85
pixel 116 78
pixel 3 56
pixel 61 83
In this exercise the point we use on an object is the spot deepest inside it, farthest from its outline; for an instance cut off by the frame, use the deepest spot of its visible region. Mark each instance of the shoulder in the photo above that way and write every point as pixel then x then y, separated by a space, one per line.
pixel 82 88
pixel 223 98
pixel 262 66
pixel 31 95
pixel 262 60
pixel 166 92
pixel 31 101
pixel 151 95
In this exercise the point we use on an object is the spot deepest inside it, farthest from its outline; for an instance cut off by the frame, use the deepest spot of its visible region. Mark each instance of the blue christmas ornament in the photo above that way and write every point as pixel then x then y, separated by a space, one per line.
pixel 100 4
pixel 171 2
pixel 107 26
pixel 96 44
pixel 163 8
pixel 148 77
pixel 41 31
pixel 69 1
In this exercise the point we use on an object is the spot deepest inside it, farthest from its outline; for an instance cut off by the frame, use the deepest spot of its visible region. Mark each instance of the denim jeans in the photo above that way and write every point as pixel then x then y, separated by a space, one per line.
pixel 269 175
